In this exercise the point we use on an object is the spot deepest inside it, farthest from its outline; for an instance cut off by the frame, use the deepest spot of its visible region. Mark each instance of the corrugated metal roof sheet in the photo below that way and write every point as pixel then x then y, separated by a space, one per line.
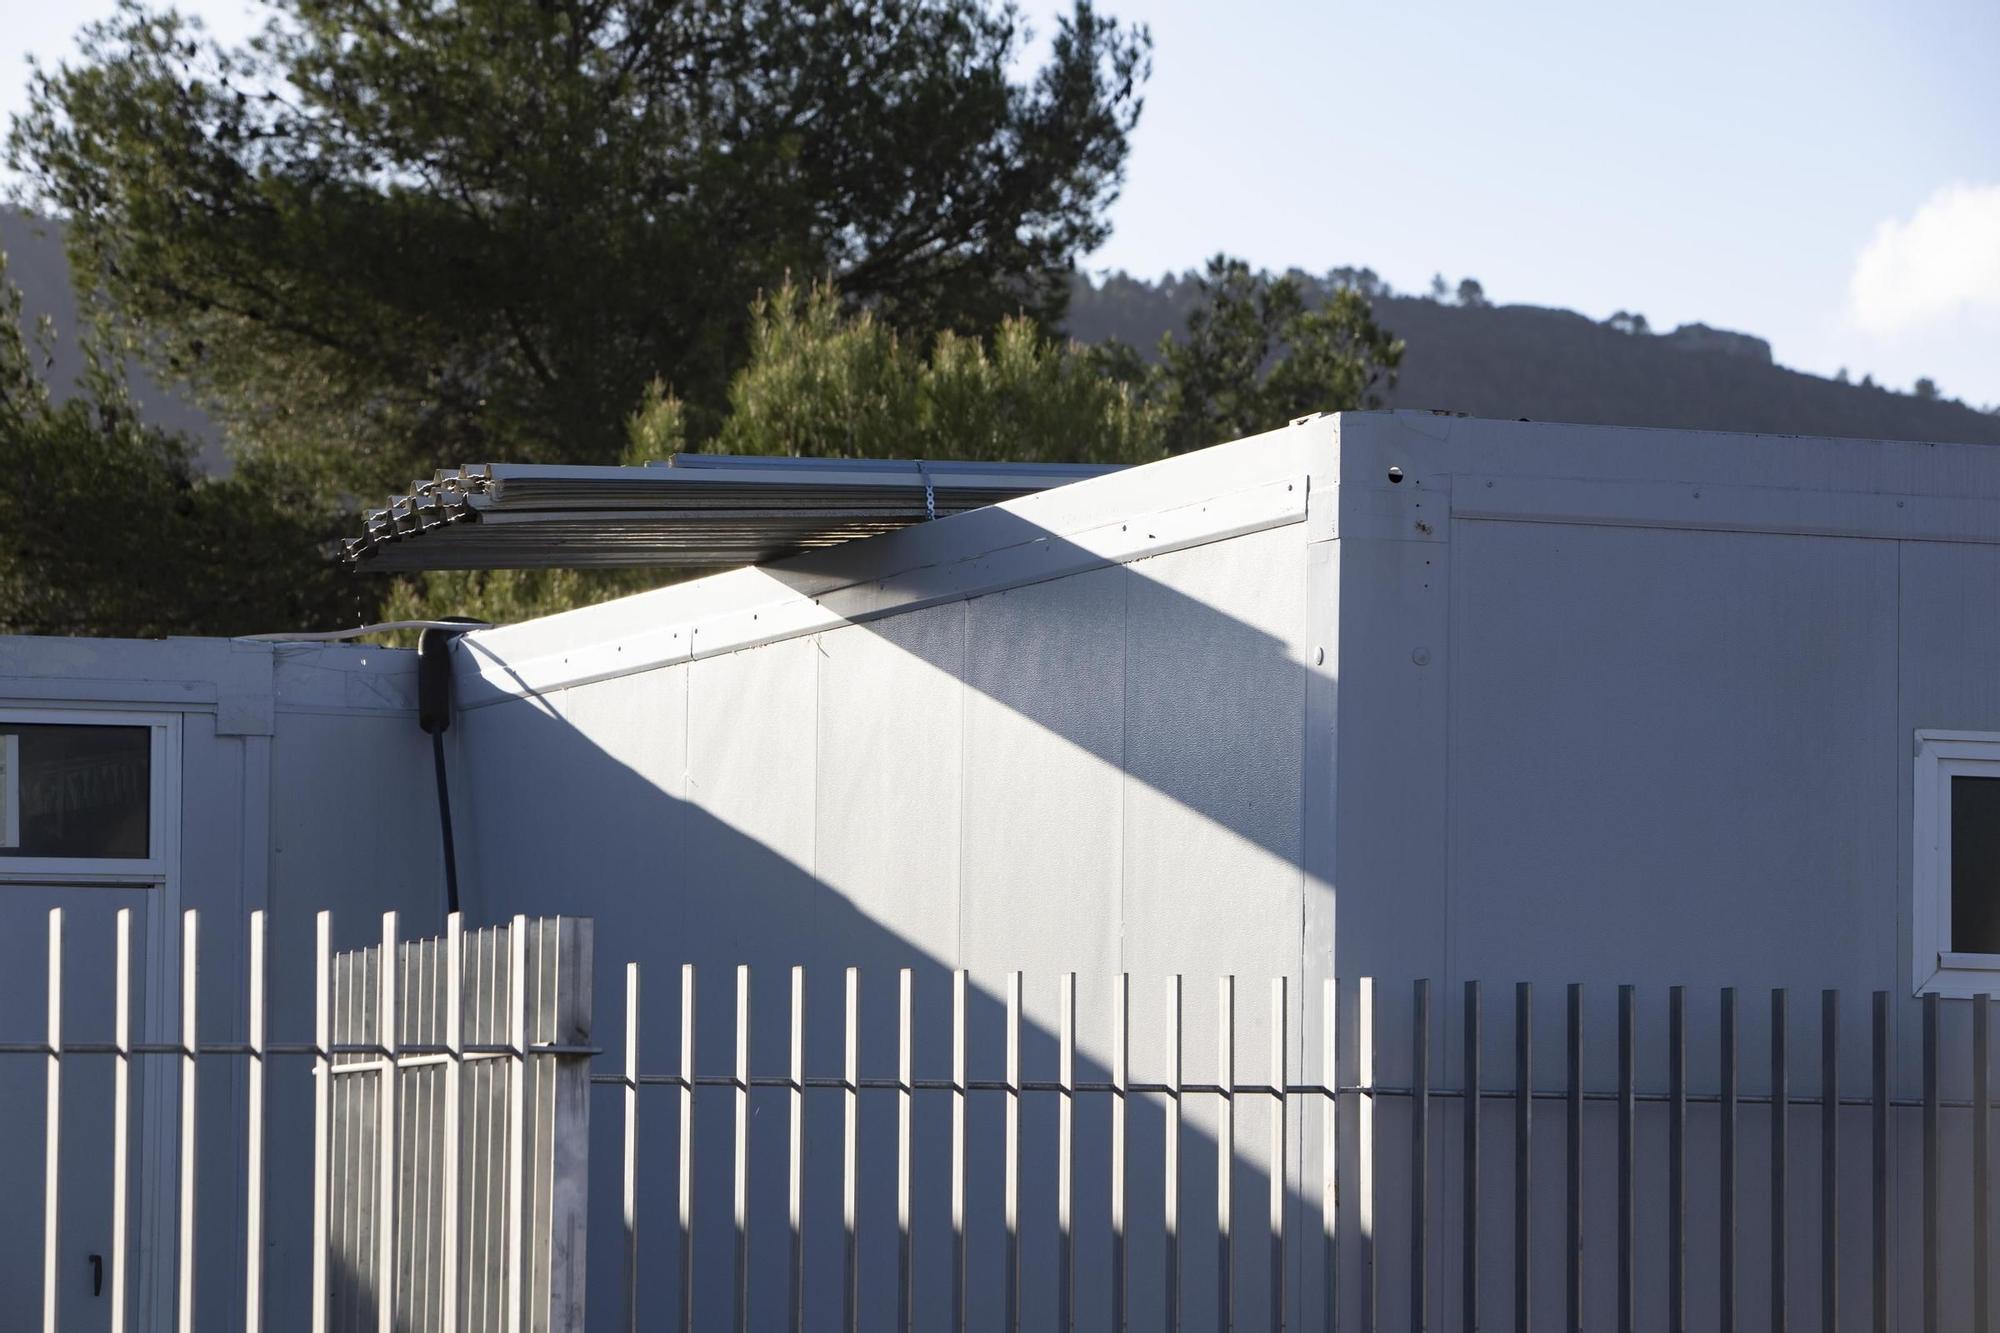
pixel 691 511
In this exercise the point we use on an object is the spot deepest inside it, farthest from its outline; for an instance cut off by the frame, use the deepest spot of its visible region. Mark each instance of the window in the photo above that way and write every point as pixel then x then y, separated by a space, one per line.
pixel 1956 922
pixel 82 796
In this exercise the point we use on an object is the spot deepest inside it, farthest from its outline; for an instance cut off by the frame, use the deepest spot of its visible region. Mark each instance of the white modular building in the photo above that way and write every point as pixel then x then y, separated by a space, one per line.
pixel 1399 696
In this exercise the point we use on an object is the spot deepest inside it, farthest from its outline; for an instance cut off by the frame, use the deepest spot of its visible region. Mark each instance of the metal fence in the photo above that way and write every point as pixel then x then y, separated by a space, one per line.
pixel 475 1042
pixel 455 1163
pixel 1269 1110
pixel 461 1074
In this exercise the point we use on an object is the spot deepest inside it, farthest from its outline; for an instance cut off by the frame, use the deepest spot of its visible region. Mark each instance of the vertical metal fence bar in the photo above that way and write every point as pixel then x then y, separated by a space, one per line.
pixel 1279 1161
pixel 1121 1022
pixel 1469 1203
pixel 52 1131
pixel 322 1108
pixel 121 1121
pixel 190 953
pixel 1065 1154
pixel 686 1177
pixel 1829 1161
pixel 904 1289
pixel 1573 1161
pixel 1726 1209
pixel 1225 1152
pixel 1420 1156
pixel 1931 1163
pixel 1677 1108
pixel 1012 1203
pixel 1329 1156
pixel 958 1304
pixel 795 1164
pixel 850 1131
pixel 631 1163
pixel 388 1042
pixel 517 1124
pixel 1627 1311
pixel 253 1146
pixel 1170 1201
pixel 1982 1117
pixel 740 1176
pixel 449 1240
pixel 1879 1164
pixel 1524 1120
pixel 1780 1113
pixel 1364 1143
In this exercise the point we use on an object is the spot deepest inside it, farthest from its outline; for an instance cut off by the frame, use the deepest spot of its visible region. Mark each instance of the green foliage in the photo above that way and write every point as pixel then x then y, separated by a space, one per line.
pixel 822 383
pixel 384 237
pixel 1255 356
pixel 108 527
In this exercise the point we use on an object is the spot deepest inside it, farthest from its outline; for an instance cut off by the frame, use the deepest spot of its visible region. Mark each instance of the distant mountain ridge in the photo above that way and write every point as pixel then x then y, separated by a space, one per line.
pixel 1484 360
pixel 1556 365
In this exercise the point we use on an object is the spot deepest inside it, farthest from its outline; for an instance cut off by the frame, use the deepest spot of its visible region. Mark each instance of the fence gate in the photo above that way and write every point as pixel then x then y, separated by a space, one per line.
pixel 451 1130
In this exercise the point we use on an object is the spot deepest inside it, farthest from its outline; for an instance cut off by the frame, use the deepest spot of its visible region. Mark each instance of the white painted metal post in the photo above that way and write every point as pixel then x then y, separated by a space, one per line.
pixel 904 1292
pixel 1279 1162
pixel 631 1148
pixel 1121 1022
pixel 184 1295
pixel 1225 1153
pixel 1329 1159
pixel 796 1165
pixel 1013 1183
pixel 742 1165
pixel 1364 1146
pixel 958 1311
pixel 1171 1174
pixel 385 1129
pixel 253 1147
pixel 121 1120
pixel 454 1122
pixel 1066 1157
pixel 850 1131
pixel 52 1132
pixel 687 1148
pixel 517 1124
pixel 322 1107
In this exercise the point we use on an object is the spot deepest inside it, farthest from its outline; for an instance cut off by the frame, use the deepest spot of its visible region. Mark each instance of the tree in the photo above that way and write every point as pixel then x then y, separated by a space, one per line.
pixel 108 527
pixel 821 383
pixel 1440 289
pixel 1470 294
pixel 432 233
pixel 1255 357
pixel 1628 321
pixel 1926 388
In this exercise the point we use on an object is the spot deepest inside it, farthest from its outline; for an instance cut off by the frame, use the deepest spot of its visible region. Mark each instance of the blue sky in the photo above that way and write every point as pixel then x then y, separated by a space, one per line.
pixel 1825 175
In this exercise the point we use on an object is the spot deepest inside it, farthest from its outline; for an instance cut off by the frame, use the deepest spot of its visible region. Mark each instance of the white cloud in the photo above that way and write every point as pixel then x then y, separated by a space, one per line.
pixel 1943 261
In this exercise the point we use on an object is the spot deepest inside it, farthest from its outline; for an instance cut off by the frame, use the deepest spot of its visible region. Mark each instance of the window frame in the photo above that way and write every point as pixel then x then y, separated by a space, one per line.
pixel 1935 967
pixel 161 789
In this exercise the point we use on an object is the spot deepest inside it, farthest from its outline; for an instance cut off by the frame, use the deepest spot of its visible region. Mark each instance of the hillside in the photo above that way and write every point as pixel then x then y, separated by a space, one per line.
pixel 1556 365
pixel 1487 361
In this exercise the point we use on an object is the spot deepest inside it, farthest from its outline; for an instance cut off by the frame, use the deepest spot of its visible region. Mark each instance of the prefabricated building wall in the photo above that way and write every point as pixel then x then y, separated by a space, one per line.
pixel 296 780
pixel 1638 706
pixel 1400 695
pixel 1063 734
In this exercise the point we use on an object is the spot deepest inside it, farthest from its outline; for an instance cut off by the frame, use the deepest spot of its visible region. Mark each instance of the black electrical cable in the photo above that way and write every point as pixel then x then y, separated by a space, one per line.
pixel 434 716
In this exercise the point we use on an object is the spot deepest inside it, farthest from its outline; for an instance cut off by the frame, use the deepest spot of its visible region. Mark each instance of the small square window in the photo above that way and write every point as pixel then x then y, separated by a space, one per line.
pixel 75 792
